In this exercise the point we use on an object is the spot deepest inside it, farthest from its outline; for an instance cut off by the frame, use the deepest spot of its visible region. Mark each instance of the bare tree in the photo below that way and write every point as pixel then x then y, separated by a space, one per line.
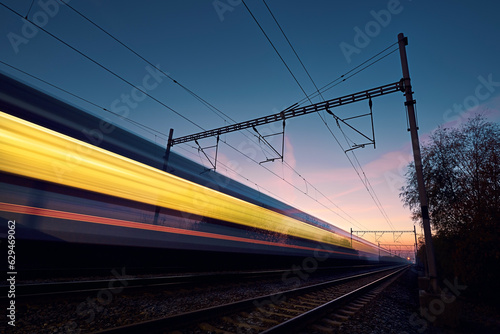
pixel 462 176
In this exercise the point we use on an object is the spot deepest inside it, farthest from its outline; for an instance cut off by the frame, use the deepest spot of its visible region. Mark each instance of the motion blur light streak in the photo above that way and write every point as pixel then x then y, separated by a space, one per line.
pixel 14 208
pixel 32 151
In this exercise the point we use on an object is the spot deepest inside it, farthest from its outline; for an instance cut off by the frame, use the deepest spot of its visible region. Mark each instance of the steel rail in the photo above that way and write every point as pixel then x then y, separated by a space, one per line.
pixel 294 324
pixel 189 318
pixel 129 282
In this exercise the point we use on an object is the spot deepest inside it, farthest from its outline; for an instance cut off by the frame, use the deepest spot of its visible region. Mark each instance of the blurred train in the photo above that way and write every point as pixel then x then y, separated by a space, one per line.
pixel 86 193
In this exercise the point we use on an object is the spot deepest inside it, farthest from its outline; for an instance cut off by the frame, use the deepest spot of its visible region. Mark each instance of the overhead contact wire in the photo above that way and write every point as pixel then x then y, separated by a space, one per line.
pixel 145 60
pixel 142 126
pixel 307 96
pixel 289 70
pixel 293 49
pixel 276 50
pixel 103 67
pixel 211 107
pixel 344 77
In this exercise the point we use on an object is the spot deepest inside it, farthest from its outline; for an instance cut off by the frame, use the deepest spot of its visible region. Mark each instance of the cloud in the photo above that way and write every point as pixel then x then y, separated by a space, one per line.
pixel 490 109
pixel 347 203
pixel 390 161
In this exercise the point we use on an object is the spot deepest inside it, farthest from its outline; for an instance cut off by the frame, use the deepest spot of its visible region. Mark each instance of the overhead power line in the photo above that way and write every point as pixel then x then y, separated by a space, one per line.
pixel 364 180
pixel 211 107
pixel 276 50
pixel 140 125
pixel 158 133
pixel 344 77
pixel 184 87
pixel 29 9
pixel 196 96
pixel 293 49
pixel 102 66
pixel 152 131
pixel 366 183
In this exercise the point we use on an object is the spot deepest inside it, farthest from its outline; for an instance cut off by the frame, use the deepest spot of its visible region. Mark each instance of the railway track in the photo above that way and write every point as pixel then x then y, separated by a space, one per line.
pixel 282 312
pixel 121 279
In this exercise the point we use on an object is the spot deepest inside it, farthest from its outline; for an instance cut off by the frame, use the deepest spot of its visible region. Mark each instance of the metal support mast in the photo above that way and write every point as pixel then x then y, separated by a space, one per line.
pixel 165 167
pixel 416 249
pixel 381 233
pixel 293 111
pixel 410 104
pixel 407 249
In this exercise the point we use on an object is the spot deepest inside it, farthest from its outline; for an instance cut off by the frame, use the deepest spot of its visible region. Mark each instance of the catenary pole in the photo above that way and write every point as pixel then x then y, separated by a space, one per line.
pixel 164 168
pixel 416 250
pixel 410 104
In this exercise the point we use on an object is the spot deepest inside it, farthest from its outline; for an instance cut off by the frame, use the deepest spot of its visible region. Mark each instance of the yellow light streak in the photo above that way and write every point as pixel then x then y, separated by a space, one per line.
pixel 33 151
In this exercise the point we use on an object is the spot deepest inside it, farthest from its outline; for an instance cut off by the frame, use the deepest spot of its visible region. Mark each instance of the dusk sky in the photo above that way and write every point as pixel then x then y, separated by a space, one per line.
pixel 216 50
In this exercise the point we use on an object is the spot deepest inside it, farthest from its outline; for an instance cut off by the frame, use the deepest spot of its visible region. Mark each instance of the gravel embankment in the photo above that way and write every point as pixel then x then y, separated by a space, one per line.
pixel 395 310
pixel 107 308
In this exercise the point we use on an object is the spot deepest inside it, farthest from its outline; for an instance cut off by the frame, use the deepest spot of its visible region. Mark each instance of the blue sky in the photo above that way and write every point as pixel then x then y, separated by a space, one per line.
pixel 216 49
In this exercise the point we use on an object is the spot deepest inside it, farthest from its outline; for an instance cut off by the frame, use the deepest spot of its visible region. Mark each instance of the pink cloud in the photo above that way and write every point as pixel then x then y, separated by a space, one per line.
pixel 489 109
pixel 390 161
